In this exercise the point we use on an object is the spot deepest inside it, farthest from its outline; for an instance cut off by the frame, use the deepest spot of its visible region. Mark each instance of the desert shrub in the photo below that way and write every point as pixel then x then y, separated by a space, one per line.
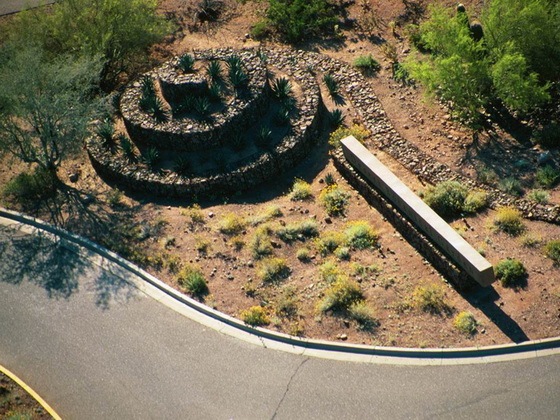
pixel 361 235
pixel 260 30
pixel 358 131
pixel 331 84
pixel 340 295
pixel 475 201
pixel 431 299
pixel 549 135
pixel 334 199
pixel 329 241
pixel 182 166
pixel 296 20
pixel 273 270
pixel 282 117
pixel 362 270
pixel 330 179
pixel 342 253
pixel 540 196
pixel 214 72
pixel 547 176
pixel 447 198
pixel 486 175
pixel 195 213
pixel 114 197
pixel 336 118
pixel 364 315
pixel 298 230
pixel 465 322
pixel 301 190
pixel 201 244
pixel 192 280
pixel 231 224
pixel 303 254
pixel 329 271
pixel 511 186
pixel 287 303
pixel 268 214
pixel 509 220
pixel 29 187
pixel 260 244
pixel 367 64
pixel 510 272
pixel 255 316
pixel 530 241
pixel 552 251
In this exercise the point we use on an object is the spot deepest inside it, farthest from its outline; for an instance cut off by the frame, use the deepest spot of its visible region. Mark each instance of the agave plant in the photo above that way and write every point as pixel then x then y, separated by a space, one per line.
pixel 237 77
pixel 127 148
pixel 214 71
pixel 233 62
pixel 150 156
pixel 154 106
pixel 182 166
pixel 336 118
pixel 202 106
pixel 105 131
pixel 186 63
pixel 263 137
pixel 215 92
pixel 281 88
pixel 147 86
pixel 238 141
pixel 282 117
pixel 331 84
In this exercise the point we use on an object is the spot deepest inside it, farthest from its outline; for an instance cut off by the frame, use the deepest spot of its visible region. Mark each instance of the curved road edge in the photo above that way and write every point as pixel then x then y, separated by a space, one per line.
pixel 226 324
pixel 31 392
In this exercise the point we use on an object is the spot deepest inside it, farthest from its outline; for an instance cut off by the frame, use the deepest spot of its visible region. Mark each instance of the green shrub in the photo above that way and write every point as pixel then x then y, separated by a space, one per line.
pixel 367 64
pixel 296 20
pixel 331 84
pixel 552 250
pixel 301 190
pixel 186 63
pixel 255 316
pixel 361 235
pixel 183 166
pixel 358 131
pixel 150 157
pixel 475 201
pixel 329 241
pixel 364 315
pixel 530 241
pixel 281 88
pixel 540 196
pixel 329 271
pixel 340 295
pixel 511 272
pixel 447 198
pixel 298 230
pixel 509 220
pixel 287 304
pixel 511 186
pixel 336 118
pixel 465 322
pixel 27 187
pixel 105 131
pixel 304 255
pixel 192 280
pixel 334 199
pixel 273 270
pixel 260 243
pixel 431 299
pixel 342 253
pixel 214 72
pixel 260 30
pixel 549 135
pixel 547 176
pixel 231 224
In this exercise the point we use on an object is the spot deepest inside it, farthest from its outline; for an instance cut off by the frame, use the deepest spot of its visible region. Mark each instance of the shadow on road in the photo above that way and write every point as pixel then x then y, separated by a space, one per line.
pixel 47 263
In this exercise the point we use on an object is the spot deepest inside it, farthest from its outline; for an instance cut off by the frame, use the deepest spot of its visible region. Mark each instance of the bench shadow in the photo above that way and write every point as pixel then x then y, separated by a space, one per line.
pixel 484 298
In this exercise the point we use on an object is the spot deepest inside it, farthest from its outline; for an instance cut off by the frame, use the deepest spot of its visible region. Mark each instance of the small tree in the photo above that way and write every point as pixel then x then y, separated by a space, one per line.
pixel 46 106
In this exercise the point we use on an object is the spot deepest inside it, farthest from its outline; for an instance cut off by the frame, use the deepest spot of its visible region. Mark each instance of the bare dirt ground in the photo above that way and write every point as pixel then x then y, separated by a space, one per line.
pixel 164 235
pixel 15 403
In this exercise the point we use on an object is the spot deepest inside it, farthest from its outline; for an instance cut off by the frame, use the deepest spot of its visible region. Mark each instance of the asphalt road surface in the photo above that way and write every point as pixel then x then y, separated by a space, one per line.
pixel 8 7
pixel 95 347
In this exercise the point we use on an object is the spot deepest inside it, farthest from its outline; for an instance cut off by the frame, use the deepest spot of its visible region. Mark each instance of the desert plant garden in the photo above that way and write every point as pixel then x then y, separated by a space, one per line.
pixel 218 167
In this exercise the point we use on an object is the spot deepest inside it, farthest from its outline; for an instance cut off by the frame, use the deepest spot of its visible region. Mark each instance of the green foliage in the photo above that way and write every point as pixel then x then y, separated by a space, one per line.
pixel 509 220
pixel 540 196
pixel 260 242
pixel 511 272
pixel 361 235
pixel 127 148
pixel 150 157
pixel 341 295
pixel 46 105
pixel 329 241
pixel 552 251
pixel 465 322
pixel 192 280
pixel 549 135
pixel 231 224
pixel 238 141
pixel 358 131
pixel 281 88
pixel 547 176
pixel 450 198
pixel 116 30
pixel 287 304
pixel 186 63
pixel 334 199
pixel 30 187
pixel 364 315
pixel 301 190
pixel 475 201
pixel 296 20
pixel 260 30
pixel 264 137
pixel 201 106
pixel 183 165
pixel 329 271
pixel 431 299
pixel 273 270
pixel 511 186
pixel 282 117
pixel 298 230
pixel 508 64
pixel 367 64
pixel 105 131
pixel 214 71
pixel 255 316
pixel 342 253
pixel 336 118
pixel 331 84
pixel 303 254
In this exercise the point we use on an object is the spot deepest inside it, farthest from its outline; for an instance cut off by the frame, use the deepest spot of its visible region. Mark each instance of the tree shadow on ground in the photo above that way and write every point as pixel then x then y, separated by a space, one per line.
pixel 484 298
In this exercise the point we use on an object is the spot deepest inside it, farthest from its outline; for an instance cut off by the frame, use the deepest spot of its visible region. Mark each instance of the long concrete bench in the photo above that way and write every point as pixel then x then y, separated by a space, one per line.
pixel 418 212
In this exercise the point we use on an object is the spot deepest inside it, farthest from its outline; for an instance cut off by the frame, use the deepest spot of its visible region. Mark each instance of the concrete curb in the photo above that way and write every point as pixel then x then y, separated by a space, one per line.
pixel 318 348
pixel 30 391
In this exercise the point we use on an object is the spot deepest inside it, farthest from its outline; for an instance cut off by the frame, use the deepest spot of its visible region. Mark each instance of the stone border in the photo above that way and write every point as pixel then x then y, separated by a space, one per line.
pixel 191 135
pixel 311 347
pixel 251 171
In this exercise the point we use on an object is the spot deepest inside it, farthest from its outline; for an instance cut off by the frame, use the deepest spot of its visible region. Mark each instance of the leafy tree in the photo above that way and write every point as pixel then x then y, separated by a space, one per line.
pixel 116 30
pixel 514 61
pixel 46 105
pixel 296 20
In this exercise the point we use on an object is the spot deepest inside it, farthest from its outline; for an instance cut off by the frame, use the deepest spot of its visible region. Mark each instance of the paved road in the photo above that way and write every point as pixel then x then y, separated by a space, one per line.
pixel 94 346
pixel 8 7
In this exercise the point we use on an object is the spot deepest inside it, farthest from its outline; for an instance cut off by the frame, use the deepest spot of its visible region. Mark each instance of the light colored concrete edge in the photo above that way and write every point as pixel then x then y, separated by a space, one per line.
pixel 30 391
pixel 228 325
